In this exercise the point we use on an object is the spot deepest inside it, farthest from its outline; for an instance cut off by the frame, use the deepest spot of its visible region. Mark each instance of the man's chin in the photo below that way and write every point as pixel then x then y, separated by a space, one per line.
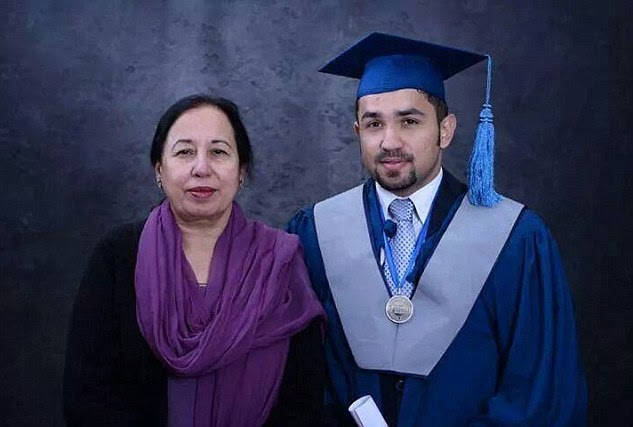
pixel 398 184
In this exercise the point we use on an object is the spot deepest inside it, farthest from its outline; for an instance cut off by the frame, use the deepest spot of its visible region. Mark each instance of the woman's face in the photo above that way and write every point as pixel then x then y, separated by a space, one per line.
pixel 199 167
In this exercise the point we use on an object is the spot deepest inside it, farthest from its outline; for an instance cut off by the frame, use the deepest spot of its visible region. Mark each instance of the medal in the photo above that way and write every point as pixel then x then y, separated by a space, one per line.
pixel 399 309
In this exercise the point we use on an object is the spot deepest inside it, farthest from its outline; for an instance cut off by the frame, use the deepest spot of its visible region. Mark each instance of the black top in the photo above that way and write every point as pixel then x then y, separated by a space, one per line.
pixel 111 376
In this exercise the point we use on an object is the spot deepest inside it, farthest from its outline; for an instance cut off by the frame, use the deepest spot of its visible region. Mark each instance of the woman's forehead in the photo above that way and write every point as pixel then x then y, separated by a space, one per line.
pixel 201 124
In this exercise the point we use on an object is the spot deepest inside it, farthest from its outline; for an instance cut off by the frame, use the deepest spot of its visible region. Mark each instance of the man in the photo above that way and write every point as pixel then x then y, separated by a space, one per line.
pixel 447 304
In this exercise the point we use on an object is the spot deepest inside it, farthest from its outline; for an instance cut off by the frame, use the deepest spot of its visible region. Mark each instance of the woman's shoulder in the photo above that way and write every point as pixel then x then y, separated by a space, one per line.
pixel 276 237
pixel 121 238
pixel 277 234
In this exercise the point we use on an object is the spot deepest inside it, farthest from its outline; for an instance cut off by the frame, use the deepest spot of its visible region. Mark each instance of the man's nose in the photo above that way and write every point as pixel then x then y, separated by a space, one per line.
pixel 391 138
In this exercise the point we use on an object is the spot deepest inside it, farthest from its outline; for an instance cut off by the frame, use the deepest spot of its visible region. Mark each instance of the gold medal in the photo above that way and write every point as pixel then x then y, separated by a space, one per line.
pixel 399 309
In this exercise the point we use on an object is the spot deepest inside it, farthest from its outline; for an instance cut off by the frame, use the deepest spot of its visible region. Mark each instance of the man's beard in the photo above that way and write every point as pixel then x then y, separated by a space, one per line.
pixel 401 183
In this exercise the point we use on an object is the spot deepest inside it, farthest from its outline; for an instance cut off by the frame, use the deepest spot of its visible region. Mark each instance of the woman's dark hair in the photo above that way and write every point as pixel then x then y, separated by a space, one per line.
pixel 231 111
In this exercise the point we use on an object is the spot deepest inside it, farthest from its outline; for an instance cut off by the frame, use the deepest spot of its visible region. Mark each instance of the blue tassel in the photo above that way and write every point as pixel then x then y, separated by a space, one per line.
pixel 480 172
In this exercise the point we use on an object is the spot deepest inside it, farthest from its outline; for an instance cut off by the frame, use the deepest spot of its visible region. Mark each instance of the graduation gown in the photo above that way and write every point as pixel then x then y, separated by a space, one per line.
pixel 515 361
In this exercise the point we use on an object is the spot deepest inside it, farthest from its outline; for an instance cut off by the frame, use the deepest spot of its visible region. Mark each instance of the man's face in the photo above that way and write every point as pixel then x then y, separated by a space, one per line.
pixel 401 142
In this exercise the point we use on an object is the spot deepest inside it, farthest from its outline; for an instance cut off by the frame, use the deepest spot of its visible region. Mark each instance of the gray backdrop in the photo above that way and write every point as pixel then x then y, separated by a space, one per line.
pixel 83 84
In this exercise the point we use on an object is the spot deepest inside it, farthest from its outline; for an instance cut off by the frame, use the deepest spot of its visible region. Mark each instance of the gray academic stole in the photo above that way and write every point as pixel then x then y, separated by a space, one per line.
pixel 446 292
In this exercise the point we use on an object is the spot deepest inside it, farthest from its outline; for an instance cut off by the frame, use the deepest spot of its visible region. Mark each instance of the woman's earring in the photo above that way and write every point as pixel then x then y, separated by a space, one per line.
pixel 241 182
pixel 159 182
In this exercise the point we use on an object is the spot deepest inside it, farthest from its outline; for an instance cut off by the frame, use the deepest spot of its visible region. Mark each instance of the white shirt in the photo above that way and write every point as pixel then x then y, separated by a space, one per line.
pixel 422 200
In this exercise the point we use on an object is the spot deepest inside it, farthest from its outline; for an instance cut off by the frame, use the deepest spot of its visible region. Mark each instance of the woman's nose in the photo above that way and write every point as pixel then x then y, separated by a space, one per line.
pixel 201 166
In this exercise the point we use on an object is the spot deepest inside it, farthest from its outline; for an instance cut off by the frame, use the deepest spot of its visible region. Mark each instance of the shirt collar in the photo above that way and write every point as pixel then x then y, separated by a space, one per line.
pixel 422 199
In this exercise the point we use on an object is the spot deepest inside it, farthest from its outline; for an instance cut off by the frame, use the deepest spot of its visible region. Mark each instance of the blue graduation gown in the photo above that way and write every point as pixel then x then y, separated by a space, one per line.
pixel 514 362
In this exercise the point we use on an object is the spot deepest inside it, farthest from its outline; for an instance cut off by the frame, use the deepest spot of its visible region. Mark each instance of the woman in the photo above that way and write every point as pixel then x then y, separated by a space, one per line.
pixel 198 316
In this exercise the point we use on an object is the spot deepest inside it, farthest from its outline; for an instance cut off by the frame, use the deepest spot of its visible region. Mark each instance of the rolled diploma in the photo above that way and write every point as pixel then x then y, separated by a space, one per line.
pixel 366 413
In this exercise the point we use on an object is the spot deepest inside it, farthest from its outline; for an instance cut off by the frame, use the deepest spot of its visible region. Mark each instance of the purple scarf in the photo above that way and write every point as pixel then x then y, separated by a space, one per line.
pixel 225 348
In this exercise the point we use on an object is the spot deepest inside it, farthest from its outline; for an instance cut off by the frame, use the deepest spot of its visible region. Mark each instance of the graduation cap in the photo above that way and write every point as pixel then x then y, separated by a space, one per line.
pixel 385 63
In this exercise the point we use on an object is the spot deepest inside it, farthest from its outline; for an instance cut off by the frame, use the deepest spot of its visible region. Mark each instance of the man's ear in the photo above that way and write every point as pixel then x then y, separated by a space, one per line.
pixel 356 128
pixel 447 130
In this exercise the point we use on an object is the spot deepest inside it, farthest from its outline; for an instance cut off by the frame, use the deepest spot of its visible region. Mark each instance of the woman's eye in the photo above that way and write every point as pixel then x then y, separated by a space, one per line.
pixel 185 152
pixel 218 152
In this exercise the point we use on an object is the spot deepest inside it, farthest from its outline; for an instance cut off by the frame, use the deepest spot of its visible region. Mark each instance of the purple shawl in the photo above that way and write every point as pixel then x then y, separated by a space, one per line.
pixel 226 348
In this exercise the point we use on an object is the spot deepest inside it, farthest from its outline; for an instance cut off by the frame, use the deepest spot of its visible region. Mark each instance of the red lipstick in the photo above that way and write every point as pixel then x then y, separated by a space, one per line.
pixel 201 192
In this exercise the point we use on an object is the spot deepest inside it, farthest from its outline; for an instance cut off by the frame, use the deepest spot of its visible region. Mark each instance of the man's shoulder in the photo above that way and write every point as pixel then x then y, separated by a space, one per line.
pixel 529 234
pixel 526 227
pixel 354 192
pixel 302 218
pixel 530 224
pixel 305 215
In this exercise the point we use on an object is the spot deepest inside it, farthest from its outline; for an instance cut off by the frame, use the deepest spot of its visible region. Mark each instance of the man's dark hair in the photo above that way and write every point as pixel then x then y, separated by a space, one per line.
pixel 441 108
pixel 244 151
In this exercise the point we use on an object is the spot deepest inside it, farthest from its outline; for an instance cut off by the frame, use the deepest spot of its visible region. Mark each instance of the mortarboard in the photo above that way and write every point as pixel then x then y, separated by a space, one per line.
pixel 385 63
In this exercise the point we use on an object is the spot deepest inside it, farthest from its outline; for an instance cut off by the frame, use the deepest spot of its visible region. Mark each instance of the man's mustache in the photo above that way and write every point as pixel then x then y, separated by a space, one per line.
pixel 397 155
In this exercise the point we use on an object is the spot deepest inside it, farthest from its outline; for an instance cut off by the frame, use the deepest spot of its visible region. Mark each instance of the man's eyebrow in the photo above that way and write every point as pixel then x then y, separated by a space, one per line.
pixel 370 115
pixel 410 112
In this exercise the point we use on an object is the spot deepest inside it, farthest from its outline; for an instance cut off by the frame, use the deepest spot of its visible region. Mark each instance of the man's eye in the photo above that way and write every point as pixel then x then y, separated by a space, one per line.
pixel 410 122
pixel 373 124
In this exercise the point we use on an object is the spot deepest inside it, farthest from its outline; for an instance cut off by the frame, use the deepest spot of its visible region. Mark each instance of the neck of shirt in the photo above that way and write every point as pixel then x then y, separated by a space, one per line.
pixel 422 200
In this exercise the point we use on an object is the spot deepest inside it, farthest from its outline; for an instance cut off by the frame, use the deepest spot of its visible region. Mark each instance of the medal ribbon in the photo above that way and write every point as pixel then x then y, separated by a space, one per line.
pixel 400 281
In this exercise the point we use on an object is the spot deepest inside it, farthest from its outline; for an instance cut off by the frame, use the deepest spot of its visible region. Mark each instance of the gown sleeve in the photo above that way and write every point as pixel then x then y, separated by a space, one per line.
pixel 300 399
pixel 92 391
pixel 541 380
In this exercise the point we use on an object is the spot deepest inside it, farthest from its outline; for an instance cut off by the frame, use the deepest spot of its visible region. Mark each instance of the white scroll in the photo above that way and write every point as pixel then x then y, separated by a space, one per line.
pixel 366 413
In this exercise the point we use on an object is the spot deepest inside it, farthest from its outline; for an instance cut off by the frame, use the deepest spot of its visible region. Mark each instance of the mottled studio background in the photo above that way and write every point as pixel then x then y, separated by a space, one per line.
pixel 82 85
